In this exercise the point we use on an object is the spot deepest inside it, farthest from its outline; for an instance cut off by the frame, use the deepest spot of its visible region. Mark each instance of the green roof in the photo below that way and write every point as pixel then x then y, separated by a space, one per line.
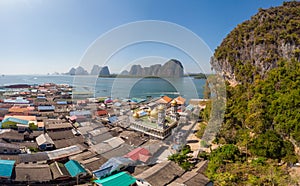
pixel 6 168
pixel 120 179
pixel 74 168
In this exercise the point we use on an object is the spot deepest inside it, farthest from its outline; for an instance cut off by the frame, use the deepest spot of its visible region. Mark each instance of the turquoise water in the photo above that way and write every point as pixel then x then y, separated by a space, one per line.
pixel 118 87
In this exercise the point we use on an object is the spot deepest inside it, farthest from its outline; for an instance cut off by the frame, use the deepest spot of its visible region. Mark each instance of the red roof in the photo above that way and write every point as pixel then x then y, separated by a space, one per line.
pixel 180 100
pixel 101 112
pixel 140 154
pixel 164 100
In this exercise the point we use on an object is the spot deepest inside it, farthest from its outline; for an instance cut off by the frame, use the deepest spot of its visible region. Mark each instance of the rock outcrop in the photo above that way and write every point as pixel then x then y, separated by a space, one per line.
pixel 95 70
pixel 255 46
pixel 172 68
pixel 77 71
pixel 72 72
pixel 81 71
pixel 104 71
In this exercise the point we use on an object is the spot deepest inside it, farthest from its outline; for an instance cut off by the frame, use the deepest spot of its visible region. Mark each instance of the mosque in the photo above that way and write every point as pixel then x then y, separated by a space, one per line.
pixel 157 122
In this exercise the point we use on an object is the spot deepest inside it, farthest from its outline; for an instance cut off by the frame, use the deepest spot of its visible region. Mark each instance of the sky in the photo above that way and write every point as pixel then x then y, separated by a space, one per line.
pixel 47 36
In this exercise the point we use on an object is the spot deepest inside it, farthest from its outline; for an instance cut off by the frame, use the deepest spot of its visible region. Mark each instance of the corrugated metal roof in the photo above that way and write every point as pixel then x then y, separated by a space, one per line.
pixel 44 138
pixel 121 178
pixel 80 113
pixel 117 163
pixel 139 153
pixel 74 168
pixel 64 152
pixel 101 173
pixel 43 108
pixel 114 142
pixel 6 168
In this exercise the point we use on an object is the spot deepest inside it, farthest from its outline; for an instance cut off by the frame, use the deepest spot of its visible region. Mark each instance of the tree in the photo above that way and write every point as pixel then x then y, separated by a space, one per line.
pixel 181 158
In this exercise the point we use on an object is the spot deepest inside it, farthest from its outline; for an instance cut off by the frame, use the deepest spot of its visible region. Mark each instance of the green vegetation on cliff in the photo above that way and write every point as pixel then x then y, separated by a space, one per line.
pixel 261 127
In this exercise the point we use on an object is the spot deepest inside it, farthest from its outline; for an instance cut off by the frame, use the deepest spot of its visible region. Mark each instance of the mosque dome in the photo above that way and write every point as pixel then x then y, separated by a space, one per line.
pixel 135 115
pixel 160 107
pixel 154 113
pixel 173 102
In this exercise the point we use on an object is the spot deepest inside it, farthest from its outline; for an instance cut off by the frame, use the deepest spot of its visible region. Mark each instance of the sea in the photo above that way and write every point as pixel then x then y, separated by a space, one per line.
pixel 187 87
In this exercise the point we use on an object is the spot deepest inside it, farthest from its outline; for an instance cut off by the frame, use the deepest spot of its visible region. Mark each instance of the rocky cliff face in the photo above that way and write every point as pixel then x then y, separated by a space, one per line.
pixel 77 71
pixel 72 72
pixel 104 71
pixel 172 68
pixel 255 46
pixel 81 71
pixel 96 70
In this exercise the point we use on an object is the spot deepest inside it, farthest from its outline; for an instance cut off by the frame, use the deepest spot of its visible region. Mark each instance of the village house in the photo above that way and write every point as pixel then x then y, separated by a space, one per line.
pixel 113 165
pixel 75 169
pixel 160 174
pixel 6 170
pixel 33 173
pixel 21 123
pixel 44 142
pixel 121 178
pixel 139 155
pixel 8 148
pixel 9 135
pixel 59 171
pixel 39 157
pixel 56 125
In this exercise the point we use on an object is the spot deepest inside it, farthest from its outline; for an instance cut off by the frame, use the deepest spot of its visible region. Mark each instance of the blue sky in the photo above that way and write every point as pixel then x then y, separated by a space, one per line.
pixel 46 36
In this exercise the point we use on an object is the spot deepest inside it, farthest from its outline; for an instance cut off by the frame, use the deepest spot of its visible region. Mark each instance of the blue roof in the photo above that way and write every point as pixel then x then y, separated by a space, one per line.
pixel 74 168
pixel 43 108
pixel 143 113
pixel 113 119
pixel 101 173
pixel 121 178
pixel 116 163
pixel 15 120
pixel 41 97
pixel 61 102
pixel 137 100
pixel 6 168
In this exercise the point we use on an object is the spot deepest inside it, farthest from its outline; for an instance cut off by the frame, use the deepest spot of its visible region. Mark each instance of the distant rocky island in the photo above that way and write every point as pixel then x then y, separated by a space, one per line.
pixel 96 70
pixel 172 68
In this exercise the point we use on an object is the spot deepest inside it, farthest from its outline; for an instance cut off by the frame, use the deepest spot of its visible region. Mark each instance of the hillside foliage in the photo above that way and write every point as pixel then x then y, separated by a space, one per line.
pixel 261 127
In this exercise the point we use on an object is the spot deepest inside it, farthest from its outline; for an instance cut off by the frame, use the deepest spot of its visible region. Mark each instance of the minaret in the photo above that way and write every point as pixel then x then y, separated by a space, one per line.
pixel 174 106
pixel 161 117
pixel 174 114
